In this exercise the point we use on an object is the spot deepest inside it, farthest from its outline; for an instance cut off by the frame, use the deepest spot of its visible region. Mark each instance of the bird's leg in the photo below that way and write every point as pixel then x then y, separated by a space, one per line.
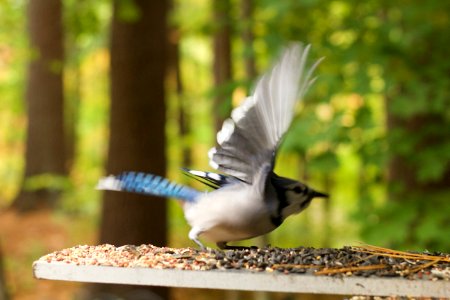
pixel 193 235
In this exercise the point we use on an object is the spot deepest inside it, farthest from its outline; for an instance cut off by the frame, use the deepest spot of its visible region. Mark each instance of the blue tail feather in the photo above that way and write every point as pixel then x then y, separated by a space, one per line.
pixel 149 184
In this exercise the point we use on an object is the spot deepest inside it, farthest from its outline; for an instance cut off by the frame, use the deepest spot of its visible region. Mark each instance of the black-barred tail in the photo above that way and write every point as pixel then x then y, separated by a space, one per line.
pixel 148 184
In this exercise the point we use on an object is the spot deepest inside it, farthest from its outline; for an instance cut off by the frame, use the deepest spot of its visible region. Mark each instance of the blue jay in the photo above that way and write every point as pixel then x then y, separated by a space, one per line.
pixel 248 199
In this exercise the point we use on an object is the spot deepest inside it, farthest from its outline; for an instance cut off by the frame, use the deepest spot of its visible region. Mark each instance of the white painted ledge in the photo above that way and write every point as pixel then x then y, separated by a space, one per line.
pixel 243 280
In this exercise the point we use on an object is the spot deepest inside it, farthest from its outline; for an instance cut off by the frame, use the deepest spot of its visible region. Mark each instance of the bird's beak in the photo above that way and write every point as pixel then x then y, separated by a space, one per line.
pixel 315 194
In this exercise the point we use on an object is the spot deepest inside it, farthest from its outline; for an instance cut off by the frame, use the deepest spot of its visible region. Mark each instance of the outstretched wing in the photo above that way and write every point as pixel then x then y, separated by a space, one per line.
pixel 249 139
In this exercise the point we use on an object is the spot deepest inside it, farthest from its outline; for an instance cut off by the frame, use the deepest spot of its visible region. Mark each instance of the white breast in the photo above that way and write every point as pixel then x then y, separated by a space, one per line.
pixel 230 214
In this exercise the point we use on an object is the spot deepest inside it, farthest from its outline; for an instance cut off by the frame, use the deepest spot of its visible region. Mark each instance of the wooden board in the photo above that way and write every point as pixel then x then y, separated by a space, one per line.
pixel 243 280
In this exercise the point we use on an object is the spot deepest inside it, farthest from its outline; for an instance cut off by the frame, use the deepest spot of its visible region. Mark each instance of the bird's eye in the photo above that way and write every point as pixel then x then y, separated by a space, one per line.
pixel 298 190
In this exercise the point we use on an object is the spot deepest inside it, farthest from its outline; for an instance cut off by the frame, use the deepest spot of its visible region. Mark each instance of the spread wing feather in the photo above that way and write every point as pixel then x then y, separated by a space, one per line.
pixel 250 138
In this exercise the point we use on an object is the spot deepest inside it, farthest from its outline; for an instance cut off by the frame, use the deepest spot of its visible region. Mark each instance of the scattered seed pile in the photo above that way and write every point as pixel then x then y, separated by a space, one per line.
pixel 357 261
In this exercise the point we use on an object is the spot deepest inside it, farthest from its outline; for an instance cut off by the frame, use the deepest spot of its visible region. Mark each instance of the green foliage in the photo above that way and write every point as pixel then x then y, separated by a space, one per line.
pixel 86 97
pixel 418 220
pixel 376 53
pixel 384 62
pixel 46 181
pixel 13 53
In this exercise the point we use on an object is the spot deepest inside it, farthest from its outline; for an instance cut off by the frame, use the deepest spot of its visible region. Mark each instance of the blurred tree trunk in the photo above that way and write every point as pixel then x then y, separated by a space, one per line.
pixel 74 85
pixel 137 131
pixel 3 290
pixel 174 66
pixel 222 61
pixel 72 113
pixel 247 38
pixel 45 150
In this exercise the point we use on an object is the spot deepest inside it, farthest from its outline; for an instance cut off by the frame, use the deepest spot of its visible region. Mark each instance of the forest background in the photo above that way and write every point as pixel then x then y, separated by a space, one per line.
pixel 129 85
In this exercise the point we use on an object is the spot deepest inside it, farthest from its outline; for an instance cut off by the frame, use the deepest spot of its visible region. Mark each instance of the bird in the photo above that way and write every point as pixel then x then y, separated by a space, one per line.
pixel 247 199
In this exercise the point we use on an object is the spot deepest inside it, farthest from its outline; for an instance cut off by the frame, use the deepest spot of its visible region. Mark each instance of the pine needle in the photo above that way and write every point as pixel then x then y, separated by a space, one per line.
pixel 329 271
pixel 376 250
